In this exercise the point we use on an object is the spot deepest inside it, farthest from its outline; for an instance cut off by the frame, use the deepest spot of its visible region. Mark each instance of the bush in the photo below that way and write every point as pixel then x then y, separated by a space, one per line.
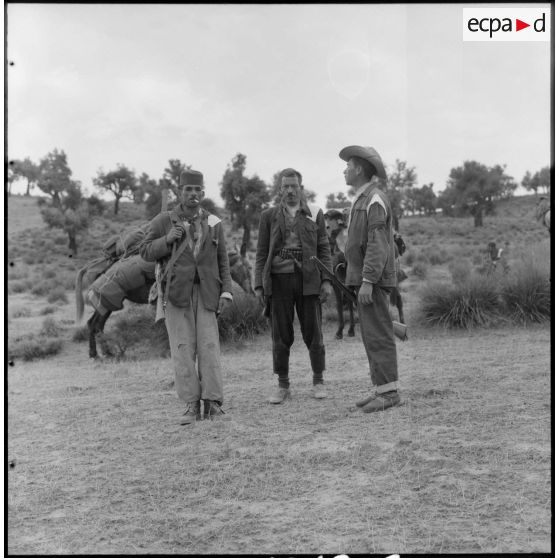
pixel 50 328
pixel 16 287
pixel 47 310
pixel 49 273
pixel 21 312
pixel 81 334
pixel 437 255
pixel 460 271
pixel 136 326
pixel 32 347
pixel 467 304
pixel 420 270
pixel 526 290
pixel 242 319
pixel 57 295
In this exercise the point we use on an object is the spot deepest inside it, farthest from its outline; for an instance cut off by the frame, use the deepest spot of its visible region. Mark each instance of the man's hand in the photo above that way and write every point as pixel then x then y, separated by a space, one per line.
pixel 223 303
pixel 325 291
pixel 365 293
pixel 260 296
pixel 174 234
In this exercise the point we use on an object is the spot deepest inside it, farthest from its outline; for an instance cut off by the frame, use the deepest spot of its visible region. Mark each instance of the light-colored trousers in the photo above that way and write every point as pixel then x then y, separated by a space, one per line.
pixel 194 336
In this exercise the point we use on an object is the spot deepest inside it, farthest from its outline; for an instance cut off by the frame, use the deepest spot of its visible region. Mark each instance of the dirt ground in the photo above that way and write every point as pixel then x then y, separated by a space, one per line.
pixel 98 462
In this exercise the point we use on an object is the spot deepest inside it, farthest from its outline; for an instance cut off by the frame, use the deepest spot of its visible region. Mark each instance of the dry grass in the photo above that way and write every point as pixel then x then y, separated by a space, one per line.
pixel 102 465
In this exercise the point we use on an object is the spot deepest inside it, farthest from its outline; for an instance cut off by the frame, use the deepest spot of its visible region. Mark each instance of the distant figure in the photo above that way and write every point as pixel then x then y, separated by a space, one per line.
pixel 544 213
pixel 494 253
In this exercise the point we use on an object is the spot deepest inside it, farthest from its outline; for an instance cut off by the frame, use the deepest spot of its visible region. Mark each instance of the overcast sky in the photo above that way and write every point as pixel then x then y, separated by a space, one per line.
pixel 287 85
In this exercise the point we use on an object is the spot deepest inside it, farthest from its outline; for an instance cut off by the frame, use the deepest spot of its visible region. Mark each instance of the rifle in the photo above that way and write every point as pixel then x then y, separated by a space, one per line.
pixel 334 279
pixel 160 311
pixel 399 329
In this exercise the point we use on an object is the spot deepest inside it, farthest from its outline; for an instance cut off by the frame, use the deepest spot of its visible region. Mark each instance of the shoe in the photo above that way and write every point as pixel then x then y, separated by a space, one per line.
pixel 279 395
pixel 212 410
pixel 382 401
pixel 363 402
pixel 319 391
pixel 192 413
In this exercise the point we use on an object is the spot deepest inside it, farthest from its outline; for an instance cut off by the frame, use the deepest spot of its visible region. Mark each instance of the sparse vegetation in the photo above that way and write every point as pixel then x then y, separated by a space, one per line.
pixel 58 294
pixel 32 347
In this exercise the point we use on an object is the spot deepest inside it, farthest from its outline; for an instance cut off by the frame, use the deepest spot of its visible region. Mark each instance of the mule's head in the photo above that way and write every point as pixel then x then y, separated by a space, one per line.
pixel 241 273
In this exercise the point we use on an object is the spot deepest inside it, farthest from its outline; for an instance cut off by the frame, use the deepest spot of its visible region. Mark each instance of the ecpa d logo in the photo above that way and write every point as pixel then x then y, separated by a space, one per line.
pixel 506 24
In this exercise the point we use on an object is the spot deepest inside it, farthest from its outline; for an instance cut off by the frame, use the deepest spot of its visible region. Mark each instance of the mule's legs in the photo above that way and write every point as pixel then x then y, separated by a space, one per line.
pixel 399 304
pixel 351 332
pixel 96 324
pixel 340 316
pixel 92 324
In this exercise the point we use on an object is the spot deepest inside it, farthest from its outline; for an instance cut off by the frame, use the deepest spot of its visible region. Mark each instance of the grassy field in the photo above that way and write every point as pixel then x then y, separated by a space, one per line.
pixel 99 464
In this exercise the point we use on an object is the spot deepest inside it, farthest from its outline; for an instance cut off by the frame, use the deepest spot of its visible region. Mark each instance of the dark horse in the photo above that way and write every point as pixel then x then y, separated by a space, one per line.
pixel 336 230
pixel 133 279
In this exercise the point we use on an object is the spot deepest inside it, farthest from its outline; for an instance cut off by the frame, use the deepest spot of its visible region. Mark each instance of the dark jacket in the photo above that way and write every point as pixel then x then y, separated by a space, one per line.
pixel 369 250
pixel 314 242
pixel 211 264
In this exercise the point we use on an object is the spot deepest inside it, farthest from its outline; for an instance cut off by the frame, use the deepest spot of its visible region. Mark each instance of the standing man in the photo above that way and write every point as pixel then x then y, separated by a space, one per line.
pixel 196 284
pixel 285 279
pixel 371 271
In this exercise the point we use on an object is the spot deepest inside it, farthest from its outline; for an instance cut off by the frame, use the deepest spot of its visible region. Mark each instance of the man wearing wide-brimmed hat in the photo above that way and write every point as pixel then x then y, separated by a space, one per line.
pixel 196 286
pixel 371 270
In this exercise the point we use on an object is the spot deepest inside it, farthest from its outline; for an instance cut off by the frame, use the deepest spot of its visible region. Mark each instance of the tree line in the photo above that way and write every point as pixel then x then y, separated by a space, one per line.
pixel 471 189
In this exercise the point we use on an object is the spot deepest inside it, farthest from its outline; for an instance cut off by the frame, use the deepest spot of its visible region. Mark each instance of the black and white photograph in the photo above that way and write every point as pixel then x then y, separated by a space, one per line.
pixel 278 278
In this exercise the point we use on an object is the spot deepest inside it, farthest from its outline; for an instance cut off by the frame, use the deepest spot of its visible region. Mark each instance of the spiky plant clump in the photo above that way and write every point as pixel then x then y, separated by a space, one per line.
pixel 242 319
pixel 526 290
pixel 467 304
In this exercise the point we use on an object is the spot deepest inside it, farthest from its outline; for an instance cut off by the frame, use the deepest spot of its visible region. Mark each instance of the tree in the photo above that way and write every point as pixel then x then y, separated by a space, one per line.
pixel 121 182
pixel 541 179
pixel 66 209
pixel 55 176
pixel 24 169
pixel 146 185
pixel 337 200
pixel 244 197
pixel 68 219
pixel 474 187
pixel 398 180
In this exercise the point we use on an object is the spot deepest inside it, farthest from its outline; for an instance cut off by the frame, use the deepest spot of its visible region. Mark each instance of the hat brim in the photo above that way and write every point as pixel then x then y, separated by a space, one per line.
pixel 368 154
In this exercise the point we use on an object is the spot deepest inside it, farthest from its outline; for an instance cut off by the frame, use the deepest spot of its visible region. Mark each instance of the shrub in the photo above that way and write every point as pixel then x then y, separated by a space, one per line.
pixel 460 270
pixel 49 273
pixel 21 312
pixel 467 304
pixel 50 328
pixel 41 288
pixel 47 310
pixel 57 295
pixel 242 319
pixel 526 290
pixel 136 326
pixel 420 270
pixel 32 347
pixel 16 287
pixel 81 334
